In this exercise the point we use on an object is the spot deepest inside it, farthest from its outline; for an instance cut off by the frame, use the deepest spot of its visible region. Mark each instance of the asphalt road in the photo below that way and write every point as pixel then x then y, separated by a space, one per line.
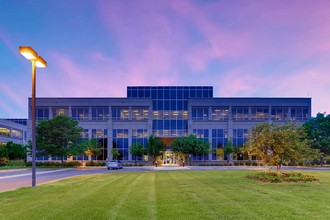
pixel 17 178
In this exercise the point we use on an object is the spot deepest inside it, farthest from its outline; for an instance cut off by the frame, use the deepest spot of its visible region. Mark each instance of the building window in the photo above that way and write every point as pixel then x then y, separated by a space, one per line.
pixel 120 142
pixel 259 113
pixel 17 134
pixel 220 113
pixel 60 111
pixel 140 113
pixel 80 113
pixel 219 140
pixel 203 135
pixel 120 113
pixel 240 113
pixel 141 136
pixel 200 113
pixel 84 134
pixel 299 113
pixel 42 113
pixel 100 113
pixel 240 136
pixel 4 131
pixel 101 136
pixel 279 113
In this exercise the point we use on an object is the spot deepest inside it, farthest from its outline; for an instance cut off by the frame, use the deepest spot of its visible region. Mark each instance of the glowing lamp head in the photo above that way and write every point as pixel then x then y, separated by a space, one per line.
pixel 40 62
pixel 28 53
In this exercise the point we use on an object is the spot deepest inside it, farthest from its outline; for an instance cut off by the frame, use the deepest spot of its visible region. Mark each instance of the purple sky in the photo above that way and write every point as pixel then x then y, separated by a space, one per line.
pixel 242 48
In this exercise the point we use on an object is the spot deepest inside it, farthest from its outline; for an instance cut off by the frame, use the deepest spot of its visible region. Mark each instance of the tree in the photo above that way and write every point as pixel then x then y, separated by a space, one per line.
pixel 136 149
pixel 58 137
pixel 318 131
pixel 202 148
pixel 274 144
pixel 115 153
pixel 3 156
pixel 16 151
pixel 154 148
pixel 90 147
pixel 190 145
pixel 229 150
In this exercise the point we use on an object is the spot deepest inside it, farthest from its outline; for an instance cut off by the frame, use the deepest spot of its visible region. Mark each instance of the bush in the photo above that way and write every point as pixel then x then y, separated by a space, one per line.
pixel 276 177
pixel 292 163
pixel 236 163
pixel 54 163
pixel 241 163
pixel 3 161
pixel 72 164
pixel 95 163
pixel 248 163
pixel 16 163
pixel 254 163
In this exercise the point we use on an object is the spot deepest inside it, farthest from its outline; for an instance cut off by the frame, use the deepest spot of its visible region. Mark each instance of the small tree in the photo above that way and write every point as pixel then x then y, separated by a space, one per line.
pixel 58 137
pixel 228 150
pixel 115 153
pixel 202 148
pixel 154 148
pixel 137 150
pixel 90 147
pixel 274 144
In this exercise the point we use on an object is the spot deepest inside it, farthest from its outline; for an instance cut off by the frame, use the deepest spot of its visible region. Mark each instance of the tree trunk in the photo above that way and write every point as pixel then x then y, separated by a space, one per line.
pixel 62 161
pixel 135 160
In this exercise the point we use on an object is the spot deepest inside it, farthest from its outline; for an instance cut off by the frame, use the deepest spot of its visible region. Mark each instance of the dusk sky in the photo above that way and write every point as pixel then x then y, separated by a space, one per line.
pixel 243 48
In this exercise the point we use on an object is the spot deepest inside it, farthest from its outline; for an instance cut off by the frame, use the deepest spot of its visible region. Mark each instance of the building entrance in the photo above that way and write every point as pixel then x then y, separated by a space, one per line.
pixel 169 157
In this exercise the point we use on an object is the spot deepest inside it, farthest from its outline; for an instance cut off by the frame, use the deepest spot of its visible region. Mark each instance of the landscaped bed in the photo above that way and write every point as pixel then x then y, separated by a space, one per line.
pixel 279 177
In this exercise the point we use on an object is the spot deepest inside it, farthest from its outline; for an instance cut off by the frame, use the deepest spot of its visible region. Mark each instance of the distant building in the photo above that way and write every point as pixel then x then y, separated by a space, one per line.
pixel 169 112
pixel 13 130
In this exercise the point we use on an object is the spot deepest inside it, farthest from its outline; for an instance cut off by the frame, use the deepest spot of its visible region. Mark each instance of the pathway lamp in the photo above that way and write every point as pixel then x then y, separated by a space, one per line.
pixel 37 61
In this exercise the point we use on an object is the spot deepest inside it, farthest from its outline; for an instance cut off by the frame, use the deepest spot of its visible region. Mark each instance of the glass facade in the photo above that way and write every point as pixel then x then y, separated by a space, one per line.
pixel 101 136
pixel 60 111
pixel 80 113
pixel 240 136
pixel 42 113
pixel 220 113
pixel 120 142
pixel 141 136
pixel 280 113
pixel 203 135
pixel 219 140
pixel 100 113
pixel 299 113
pixel 170 106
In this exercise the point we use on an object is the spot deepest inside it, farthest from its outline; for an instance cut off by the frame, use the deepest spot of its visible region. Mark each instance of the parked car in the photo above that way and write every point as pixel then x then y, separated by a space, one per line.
pixel 114 164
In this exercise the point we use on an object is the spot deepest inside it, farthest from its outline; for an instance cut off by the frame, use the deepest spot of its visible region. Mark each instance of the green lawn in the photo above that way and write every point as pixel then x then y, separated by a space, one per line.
pixel 169 195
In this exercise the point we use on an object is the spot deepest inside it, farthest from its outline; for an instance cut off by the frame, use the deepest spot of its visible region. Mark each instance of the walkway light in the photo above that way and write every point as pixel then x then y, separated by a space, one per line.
pixel 37 61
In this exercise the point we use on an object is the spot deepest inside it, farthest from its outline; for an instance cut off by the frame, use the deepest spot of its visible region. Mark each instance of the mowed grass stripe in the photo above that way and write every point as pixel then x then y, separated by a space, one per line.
pixel 169 195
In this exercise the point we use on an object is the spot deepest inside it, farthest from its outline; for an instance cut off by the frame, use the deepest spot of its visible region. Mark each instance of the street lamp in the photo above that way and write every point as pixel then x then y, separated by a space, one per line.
pixel 37 61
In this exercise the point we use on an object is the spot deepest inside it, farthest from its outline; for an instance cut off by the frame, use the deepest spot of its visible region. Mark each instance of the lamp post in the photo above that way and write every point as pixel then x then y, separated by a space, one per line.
pixel 37 61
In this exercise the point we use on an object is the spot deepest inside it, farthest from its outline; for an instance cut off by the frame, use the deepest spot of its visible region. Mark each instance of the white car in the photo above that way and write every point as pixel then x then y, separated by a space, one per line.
pixel 114 164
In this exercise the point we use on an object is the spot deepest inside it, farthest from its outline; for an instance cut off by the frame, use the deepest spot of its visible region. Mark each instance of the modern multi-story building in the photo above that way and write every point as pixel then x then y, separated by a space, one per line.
pixel 13 130
pixel 169 112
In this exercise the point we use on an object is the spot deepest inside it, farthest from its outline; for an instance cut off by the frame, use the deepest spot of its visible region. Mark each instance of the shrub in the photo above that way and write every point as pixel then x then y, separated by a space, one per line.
pixel 92 163
pixel 236 163
pixel 248 163
pixel 16 163
pixel 3 161
pixel 276 177
pixel 241 163
pixel 72 164
pixel 292 163
pixel 254 163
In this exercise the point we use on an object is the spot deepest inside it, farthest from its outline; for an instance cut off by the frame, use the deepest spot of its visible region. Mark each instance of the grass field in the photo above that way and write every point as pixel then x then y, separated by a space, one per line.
pixel 169 195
